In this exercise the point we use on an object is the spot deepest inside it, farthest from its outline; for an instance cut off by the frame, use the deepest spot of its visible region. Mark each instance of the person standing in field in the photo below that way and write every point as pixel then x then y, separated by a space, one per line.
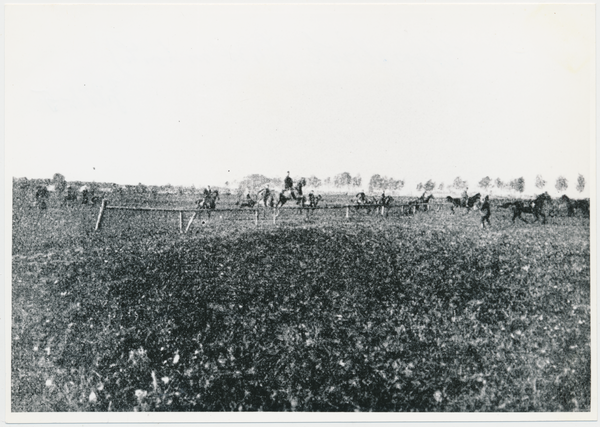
pixel 486 212
pixel 266 194
pixel 41 197
pixel 84 195
pixel 207 191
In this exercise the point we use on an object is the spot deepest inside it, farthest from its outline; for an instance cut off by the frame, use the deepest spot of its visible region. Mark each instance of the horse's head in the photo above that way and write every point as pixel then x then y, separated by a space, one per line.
pixel 449 198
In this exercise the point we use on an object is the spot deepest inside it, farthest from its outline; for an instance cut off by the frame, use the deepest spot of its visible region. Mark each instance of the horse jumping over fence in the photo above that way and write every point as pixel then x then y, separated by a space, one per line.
pixel 360 201
pixel 534 207
pixel 249 202
pixel 460 203
pixel 421 203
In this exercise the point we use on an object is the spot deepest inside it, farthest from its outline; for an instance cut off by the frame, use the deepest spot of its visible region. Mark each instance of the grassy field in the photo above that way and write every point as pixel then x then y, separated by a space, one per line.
pixel 410 313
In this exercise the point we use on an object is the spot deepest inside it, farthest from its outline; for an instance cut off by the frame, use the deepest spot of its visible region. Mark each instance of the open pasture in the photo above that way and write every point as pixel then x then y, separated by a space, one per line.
pixel 425 312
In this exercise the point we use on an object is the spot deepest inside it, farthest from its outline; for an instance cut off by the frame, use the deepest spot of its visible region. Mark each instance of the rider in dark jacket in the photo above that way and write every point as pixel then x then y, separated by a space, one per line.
pixel 288 182
pixel 289 185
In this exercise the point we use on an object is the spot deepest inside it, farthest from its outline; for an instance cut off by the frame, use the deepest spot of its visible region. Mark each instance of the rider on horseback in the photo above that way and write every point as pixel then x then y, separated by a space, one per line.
pixel 289 185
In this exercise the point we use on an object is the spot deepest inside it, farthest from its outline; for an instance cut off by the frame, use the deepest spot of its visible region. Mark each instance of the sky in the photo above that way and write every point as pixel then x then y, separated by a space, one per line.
pixel 204 94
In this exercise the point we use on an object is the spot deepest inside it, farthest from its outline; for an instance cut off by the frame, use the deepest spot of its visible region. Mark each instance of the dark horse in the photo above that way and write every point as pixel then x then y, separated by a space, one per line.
pixel 209 202
pixel 534 207
pixel 583 206
pixel 249 202
pixel 308 203
pixel 421 202
pixel 370 205
pixel 460 203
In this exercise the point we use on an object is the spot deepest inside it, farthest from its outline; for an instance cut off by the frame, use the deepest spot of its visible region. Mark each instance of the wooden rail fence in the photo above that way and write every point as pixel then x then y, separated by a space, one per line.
pixel 381 209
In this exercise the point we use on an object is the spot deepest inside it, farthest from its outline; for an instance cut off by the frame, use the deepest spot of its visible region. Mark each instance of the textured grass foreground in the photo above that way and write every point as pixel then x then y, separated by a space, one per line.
pixel 355 318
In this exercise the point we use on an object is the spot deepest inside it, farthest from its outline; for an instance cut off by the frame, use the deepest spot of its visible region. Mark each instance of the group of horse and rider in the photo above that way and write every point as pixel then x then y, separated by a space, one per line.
pixel 269 198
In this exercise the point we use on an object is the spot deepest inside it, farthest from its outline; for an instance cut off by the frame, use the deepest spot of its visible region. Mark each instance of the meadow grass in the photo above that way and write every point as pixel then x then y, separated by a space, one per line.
pixel 413 313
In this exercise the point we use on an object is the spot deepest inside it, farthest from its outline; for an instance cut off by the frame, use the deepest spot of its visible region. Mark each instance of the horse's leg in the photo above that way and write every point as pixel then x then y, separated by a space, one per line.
pixel 521 218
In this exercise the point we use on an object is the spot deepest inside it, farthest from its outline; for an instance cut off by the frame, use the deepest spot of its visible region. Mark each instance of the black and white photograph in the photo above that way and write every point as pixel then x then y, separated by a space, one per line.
pixel 290 212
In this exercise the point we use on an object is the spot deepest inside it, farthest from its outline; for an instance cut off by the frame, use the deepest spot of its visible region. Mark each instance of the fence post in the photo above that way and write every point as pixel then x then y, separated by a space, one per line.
pixel 347 211
pixel 190 223
pixel 382 210
pixel 181 221
pixel 100 214
pixel 256 217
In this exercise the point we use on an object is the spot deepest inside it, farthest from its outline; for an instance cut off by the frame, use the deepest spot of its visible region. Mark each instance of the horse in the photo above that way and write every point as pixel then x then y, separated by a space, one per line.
pixel 361 201
pixel 309 203
pixel 534 207
pixel 460 203
pixel 281 197
pixel 416 205
pixel 70 198
pixel 274 200
pixel 209 202
pixel 247 203
pixel 583 206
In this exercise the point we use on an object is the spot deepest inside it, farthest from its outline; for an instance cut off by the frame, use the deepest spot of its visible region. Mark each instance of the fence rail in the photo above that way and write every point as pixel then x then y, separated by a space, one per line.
pixel 380 208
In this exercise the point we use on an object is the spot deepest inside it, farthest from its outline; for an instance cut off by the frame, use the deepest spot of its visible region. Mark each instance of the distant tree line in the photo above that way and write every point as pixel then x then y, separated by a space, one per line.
pixel 343 181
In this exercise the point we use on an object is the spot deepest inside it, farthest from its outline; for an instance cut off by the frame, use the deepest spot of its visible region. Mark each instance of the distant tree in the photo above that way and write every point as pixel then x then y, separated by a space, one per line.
pixel 356 181
pixel 580 183
pixel 375 182
pixel 60 183
pixel 382 183
pixel 141 188
pixel 540 182
pixel 21 183
pixel 518 184
pixel 327 181
pixel 485 183
pixel 254 182
pixel 313 181
pixel 419 186
pixel 397 184
pixel 499 183
pixel 343 179
pixel 561 184
pixel 441 186
pixel 459 183
pixel 429 185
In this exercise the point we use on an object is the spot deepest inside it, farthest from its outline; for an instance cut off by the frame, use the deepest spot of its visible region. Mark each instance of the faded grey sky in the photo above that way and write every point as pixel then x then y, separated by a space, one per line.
pixel 203 94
